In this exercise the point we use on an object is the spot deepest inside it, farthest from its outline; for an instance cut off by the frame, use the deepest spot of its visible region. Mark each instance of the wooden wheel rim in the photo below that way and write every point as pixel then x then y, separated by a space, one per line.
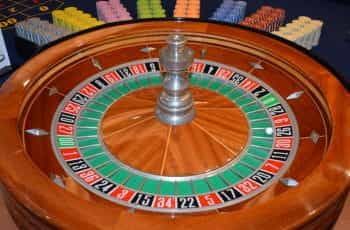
pixel 331 174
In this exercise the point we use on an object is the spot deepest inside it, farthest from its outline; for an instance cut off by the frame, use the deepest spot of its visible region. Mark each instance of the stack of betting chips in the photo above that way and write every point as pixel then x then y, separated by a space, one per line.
pixel 39 32
pixel 74 20
pixel 112 11
pixel 150 9
pixel 266 18
pixel 230 11
pixel 187 9
pixel 303 31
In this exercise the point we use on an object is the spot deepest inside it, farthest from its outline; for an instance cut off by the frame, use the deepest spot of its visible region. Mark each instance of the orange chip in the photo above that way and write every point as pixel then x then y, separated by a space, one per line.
pixel 267 8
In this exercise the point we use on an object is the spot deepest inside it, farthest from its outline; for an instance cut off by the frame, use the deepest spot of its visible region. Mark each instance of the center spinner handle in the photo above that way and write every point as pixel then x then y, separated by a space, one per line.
pixel 175 103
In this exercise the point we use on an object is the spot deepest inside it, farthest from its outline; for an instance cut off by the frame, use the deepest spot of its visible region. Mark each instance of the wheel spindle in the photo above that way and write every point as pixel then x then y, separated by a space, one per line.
pixel 175 103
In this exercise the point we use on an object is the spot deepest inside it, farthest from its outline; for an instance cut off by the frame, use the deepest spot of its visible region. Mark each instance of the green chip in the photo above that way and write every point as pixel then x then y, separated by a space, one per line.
pixel 144 16
pixel 158 15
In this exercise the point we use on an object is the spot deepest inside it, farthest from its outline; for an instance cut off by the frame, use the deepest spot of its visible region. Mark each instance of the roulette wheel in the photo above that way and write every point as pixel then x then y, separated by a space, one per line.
pixel 177 124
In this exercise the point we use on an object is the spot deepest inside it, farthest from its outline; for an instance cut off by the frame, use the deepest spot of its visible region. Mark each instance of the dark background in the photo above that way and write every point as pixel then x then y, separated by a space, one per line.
pixel 334 46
